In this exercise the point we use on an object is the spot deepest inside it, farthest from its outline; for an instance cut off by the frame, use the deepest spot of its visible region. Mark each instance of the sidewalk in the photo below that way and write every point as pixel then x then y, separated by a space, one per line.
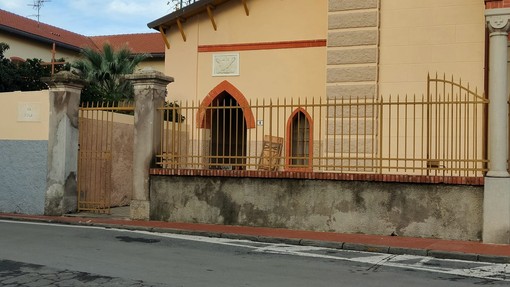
pixel 451 249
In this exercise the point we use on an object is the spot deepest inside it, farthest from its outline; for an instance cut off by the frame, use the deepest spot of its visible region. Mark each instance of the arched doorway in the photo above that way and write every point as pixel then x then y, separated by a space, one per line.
pixel 228 134
pixel 227 114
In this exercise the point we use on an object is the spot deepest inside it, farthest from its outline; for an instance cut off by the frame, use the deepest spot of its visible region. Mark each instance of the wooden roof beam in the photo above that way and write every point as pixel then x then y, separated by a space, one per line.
pixel 246 7
pixel 165 39
pixel 179 24
pixel 211 16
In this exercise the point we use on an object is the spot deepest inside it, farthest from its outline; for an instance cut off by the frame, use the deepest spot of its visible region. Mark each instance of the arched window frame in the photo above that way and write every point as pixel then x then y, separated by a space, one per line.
pixel 288 144
pixel 225 86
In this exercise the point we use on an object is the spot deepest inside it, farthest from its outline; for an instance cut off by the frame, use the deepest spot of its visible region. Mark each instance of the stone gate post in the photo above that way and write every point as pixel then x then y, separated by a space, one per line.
pixel 496 213
pixel 61 189
pixel 150 92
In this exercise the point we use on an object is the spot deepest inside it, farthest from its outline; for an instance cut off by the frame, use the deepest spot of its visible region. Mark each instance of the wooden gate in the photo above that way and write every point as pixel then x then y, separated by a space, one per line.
pixel 96 126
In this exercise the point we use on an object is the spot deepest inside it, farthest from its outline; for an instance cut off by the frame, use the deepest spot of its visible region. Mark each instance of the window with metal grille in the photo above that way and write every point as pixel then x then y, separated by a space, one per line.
pixel 299 143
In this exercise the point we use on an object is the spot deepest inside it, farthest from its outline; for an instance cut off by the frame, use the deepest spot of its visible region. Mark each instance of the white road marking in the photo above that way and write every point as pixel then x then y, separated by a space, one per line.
pixel 489 271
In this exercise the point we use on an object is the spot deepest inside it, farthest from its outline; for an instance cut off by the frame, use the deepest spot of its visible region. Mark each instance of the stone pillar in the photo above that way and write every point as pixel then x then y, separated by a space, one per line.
pixel 150 92
pixel 61 188
pixel 496 223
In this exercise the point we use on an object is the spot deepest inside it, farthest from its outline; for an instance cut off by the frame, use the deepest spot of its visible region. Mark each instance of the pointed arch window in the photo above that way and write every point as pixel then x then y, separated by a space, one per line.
pixel 299 140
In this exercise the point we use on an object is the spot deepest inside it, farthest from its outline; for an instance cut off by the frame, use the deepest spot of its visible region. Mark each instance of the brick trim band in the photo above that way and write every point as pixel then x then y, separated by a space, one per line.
pixel 262 46
pixel 495 4
pixel 400 178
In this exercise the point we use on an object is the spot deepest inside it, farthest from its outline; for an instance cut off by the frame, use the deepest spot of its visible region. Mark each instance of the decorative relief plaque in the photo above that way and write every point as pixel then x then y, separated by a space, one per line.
pixel 225 64
pixel 29 112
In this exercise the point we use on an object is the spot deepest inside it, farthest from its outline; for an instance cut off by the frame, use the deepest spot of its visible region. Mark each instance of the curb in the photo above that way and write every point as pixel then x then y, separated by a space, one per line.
pixel 291 241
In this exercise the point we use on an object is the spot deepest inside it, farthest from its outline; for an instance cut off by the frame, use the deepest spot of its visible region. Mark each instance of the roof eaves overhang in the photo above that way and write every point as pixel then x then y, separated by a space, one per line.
pixel 184 13
pixel 40 38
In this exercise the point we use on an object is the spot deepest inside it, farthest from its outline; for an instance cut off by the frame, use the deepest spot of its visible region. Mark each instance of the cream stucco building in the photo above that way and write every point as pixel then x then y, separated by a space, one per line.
pixel 324 48
pixel 336 50
pixel 29 39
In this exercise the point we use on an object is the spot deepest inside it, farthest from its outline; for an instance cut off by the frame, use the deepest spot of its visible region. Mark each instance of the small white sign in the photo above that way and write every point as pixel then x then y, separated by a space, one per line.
pixel 225 64
pixel 260 123
pixel 29 112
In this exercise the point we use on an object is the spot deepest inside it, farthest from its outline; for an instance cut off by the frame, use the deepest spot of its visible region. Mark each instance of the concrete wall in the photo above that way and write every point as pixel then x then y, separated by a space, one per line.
pixel 117 172
pixel 122 159
pixel 156 64
pixel 23 151
pixel 420 210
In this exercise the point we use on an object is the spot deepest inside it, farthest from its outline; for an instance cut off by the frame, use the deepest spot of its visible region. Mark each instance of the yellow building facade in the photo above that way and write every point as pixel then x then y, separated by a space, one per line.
pixel 335 71
pixel 393 44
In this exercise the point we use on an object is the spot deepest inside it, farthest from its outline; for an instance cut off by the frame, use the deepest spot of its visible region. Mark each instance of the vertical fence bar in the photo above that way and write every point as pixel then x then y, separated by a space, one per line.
pixel 475 135
pixel 163 135
pixel 381 119
pixel 96 155
pixel 406 102
pixel 398 132
pixel 375 132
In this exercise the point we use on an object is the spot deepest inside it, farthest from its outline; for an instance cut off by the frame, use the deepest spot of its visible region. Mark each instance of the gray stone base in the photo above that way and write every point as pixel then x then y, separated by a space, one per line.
pixel 415 210
pixel 61 198
pixel 496 210
pixel 23 166
pixel 140 209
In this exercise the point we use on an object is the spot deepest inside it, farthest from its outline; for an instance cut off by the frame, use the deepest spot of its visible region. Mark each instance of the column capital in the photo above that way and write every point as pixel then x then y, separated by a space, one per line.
pixel 149 76
pixel 498 20
pixel 64 79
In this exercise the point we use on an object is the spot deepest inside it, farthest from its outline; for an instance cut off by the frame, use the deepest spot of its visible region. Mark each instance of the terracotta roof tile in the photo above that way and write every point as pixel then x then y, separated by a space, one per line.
pixel 22 25
pixel 139 43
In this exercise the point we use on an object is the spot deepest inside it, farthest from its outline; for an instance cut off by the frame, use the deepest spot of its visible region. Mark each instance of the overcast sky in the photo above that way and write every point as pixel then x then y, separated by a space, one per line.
pixel 94 17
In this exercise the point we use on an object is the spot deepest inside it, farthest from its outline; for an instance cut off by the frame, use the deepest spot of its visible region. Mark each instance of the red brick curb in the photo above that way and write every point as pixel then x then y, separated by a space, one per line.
pixel 454 249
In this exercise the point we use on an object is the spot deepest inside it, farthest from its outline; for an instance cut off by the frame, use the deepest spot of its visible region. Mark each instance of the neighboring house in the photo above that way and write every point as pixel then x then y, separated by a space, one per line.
pixel 29 39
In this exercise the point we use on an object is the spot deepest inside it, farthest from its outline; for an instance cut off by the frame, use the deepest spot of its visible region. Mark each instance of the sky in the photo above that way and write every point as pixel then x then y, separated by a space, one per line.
pixel 94 17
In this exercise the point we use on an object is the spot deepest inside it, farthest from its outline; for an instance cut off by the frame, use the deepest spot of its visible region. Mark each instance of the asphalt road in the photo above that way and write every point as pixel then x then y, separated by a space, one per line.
pixel 61 255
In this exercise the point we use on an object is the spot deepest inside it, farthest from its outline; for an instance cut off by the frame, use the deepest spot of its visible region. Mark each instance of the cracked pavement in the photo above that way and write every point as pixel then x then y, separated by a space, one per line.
pixel 14 273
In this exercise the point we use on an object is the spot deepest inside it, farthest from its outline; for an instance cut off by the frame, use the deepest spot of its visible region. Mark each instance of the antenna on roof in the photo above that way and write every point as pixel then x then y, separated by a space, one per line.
pixel 179 4
pixel 37 6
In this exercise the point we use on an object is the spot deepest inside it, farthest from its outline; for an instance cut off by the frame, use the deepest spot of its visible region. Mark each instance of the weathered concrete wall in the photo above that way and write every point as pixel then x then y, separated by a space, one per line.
pixel 121 147
pixel 420 210
pixel 23 175
pixel 122 164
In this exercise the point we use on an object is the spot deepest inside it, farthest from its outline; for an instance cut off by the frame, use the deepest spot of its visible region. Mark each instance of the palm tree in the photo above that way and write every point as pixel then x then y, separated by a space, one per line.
pixel 104 69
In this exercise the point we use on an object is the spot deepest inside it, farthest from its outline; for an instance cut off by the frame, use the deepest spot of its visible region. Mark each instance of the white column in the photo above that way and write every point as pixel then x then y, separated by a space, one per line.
pixel 498 24
pixel 496 197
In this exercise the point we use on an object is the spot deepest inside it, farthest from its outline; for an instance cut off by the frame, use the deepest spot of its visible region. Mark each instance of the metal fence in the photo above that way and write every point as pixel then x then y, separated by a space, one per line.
pixel 441 133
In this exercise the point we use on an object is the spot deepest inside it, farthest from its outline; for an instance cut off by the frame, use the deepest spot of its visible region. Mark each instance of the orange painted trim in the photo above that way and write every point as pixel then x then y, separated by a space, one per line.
pixel 288 143
pixel 262 46
pixel 224 86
